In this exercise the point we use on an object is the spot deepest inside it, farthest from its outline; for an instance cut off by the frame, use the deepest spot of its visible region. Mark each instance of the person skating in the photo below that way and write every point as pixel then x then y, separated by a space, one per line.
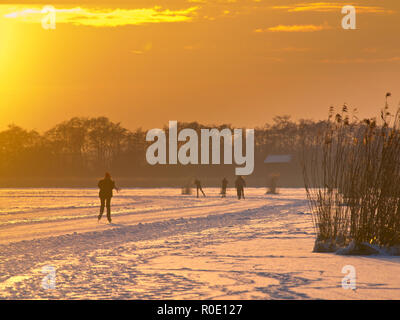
pixel 223 188
pixel 106 187
pixel 240 184
pixel 198 187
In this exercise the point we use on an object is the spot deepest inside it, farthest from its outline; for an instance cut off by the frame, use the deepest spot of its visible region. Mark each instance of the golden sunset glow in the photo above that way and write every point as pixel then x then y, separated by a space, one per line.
pixel 234 61
pixel 99 18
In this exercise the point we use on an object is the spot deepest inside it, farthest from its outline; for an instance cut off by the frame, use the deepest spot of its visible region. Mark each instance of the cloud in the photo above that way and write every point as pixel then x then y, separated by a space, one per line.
pixel 274 59
pixel 292 49
pixel 192 47
pixel 329 7
pixel 99 17
pixel 147 47
pixel 360 60
pixel 294 28
pixel 370 50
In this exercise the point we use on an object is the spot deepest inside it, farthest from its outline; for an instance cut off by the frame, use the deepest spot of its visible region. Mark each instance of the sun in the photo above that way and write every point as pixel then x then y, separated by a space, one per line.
pixel 18 62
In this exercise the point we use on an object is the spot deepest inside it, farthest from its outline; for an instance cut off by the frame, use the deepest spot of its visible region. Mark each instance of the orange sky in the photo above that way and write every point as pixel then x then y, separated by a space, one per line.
pixel 215 61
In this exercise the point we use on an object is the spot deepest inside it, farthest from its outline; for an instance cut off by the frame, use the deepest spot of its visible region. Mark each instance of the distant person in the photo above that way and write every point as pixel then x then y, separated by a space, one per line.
pixel 106 187
pixel 198 187
pixel 240 184
pixel 223 188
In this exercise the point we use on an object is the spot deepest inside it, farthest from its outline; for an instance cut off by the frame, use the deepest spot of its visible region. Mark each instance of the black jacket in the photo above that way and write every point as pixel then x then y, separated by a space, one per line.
pixel 106 188
pixel 197 183
pixel 240 183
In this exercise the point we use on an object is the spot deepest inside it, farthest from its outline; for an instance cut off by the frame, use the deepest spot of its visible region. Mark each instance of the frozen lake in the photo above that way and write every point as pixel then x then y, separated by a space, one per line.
pixel 164 245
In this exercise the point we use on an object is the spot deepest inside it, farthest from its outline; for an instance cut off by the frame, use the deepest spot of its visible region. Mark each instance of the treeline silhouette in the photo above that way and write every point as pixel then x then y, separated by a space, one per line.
pixel 76 151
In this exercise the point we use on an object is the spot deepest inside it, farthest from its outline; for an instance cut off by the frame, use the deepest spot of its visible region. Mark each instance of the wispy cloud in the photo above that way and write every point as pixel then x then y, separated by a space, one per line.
pixel 370 50
pixel 192 47
pixel 360 60
pixel 99 17
pixel 147 47
pixel 294 28
pixel 292 49
pixel 331 6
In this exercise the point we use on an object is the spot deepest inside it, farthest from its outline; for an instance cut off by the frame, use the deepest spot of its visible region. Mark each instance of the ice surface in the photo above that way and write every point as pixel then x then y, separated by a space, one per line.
pixel 164 245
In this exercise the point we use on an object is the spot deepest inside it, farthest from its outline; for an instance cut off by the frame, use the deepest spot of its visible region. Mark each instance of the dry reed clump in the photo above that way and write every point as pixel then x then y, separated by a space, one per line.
pixel 351 173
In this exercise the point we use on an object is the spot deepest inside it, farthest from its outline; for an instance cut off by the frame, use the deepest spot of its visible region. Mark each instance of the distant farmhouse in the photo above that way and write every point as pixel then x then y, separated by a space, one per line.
pixel 278 158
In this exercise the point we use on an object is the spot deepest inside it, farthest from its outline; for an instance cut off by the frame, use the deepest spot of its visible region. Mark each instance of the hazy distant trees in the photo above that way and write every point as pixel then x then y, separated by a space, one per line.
pixel 20 151
pixel 87 146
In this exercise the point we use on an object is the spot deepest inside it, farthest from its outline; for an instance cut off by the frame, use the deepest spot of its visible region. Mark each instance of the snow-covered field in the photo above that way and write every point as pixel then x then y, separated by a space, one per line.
pixel 163 245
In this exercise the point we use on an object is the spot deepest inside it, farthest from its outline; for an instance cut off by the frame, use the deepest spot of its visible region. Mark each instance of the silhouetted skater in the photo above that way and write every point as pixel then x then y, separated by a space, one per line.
pixel 106 187
pixel 223 188
pixel 240 184
pixel 198 187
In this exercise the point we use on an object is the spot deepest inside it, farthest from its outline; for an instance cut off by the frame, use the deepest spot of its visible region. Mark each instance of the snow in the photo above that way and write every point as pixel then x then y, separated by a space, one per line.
pixel 164 245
